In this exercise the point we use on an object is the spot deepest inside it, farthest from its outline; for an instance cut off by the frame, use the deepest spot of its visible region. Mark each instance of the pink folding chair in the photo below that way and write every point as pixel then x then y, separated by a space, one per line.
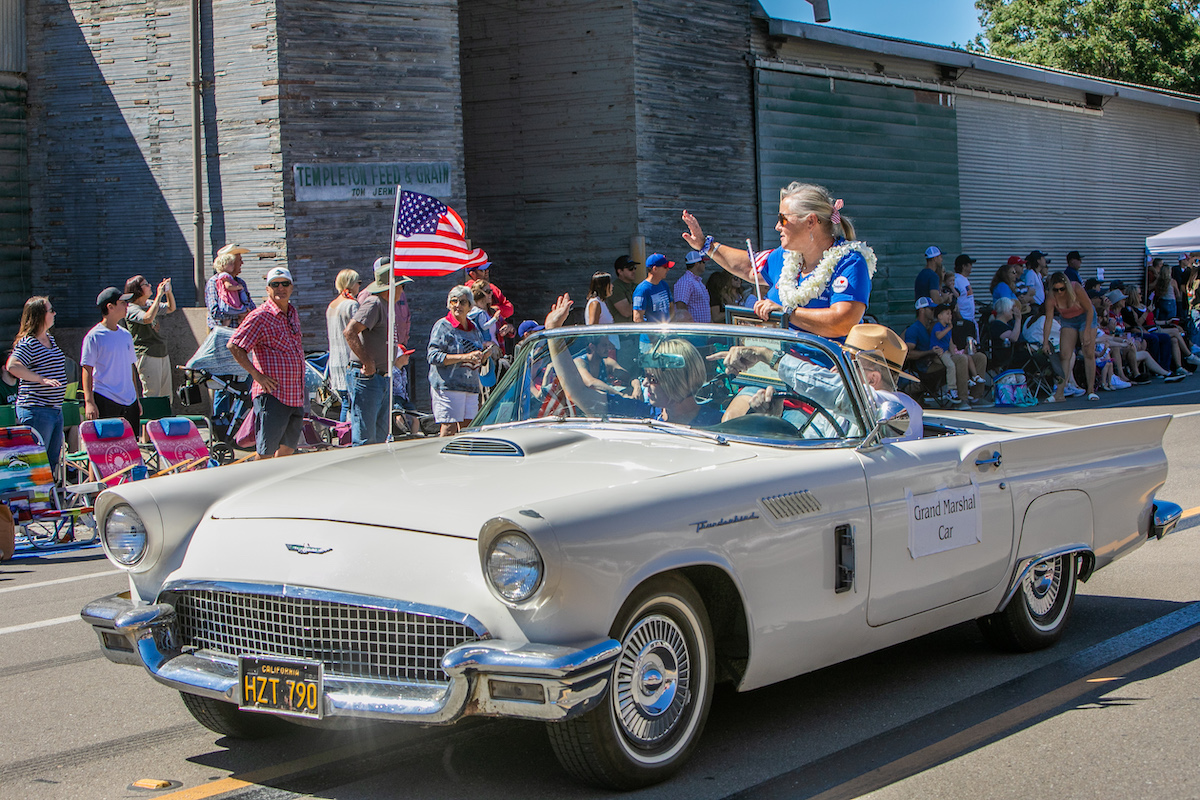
pixel 112 451
pixel 179 445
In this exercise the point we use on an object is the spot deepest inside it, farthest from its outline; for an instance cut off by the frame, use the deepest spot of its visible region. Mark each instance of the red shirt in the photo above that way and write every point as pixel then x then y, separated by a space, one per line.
pixel 272 338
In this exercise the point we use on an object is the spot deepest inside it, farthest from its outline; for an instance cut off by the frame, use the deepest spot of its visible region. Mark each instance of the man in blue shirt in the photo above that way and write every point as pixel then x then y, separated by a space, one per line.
pixel 652 297
pixel 1074 262
pixel 929 280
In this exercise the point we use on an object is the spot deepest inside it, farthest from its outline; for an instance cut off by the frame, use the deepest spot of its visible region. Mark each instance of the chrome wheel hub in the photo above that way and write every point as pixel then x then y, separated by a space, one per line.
pixel 650 692
pixel 1041 587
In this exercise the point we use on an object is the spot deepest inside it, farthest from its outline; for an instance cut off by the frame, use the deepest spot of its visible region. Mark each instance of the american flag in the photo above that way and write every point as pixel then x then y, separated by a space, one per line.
pixel 760 261
pixel 430 238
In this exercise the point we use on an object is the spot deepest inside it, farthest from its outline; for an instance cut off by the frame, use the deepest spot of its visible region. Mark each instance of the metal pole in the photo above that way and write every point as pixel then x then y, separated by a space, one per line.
pixel 197 160
pixel 392 311
pixel 821 10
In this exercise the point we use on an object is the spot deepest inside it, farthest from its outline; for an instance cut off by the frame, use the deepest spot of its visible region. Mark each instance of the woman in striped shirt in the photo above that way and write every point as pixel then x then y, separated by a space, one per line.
pixel 38 362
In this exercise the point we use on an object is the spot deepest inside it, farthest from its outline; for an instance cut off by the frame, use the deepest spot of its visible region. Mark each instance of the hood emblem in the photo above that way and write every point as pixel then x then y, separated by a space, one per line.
pixel 306 549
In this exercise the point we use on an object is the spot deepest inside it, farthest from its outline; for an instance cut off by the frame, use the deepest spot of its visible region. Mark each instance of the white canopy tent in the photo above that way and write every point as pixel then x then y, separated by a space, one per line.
pixel 1183 238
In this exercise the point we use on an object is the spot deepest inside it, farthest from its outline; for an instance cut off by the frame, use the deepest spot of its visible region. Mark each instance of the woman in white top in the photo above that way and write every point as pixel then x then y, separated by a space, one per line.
pixel 337 318
pixel 597 312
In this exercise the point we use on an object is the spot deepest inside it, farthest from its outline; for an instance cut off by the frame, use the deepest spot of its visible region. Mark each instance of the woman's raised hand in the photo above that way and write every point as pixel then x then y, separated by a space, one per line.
pixel 558 314
pixel 694 236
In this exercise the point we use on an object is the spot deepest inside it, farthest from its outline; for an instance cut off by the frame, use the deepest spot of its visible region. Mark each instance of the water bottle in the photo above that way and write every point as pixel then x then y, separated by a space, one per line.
pixel 971 345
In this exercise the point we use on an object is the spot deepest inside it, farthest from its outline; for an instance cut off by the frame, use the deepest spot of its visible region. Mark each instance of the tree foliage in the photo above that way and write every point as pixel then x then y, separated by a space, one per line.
pixel 1151 42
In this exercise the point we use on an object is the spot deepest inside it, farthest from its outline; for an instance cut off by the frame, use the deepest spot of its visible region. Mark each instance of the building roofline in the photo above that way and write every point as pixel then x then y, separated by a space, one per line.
pixel 962 59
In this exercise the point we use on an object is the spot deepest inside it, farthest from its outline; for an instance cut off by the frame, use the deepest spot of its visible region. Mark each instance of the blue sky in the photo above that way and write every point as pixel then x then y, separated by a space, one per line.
pixel 932 21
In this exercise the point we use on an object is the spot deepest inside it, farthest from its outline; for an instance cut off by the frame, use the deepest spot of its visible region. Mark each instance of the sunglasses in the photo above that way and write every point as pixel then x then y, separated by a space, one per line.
pixel 651 378
pixel 1059 288
pixel 783 218
pixel 279 284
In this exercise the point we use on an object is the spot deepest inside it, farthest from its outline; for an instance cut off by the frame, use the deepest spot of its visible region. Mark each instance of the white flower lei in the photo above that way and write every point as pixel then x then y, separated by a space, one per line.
pixel 794 294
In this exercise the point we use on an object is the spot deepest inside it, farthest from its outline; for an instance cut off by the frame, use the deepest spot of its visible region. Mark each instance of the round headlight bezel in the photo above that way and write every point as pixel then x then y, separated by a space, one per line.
pixel 121 544
pixel 509 554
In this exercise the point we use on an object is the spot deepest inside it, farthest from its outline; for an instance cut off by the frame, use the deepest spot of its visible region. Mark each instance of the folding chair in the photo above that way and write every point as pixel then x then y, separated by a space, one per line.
pixel 112 451
pixel 179 445
pixel 28 490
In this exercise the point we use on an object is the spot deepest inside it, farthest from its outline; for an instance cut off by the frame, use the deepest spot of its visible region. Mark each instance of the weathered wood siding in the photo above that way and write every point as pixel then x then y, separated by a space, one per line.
pixel 364 82
pixel 110 143
pixel 549 115
pixel 14 203
pixel 695 123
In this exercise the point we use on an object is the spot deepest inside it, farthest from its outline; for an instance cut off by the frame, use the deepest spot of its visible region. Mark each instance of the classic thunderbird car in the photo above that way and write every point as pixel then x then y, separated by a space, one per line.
pixel 601 546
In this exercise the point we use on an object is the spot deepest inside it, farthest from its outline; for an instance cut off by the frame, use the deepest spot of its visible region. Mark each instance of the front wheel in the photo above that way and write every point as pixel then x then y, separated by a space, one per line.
pixel 1037 614
pixel 658 698
pixel 229 720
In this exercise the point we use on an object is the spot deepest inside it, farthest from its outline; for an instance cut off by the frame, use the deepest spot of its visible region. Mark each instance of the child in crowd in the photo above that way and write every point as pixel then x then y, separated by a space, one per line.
pixel 229 291
pixel 942 337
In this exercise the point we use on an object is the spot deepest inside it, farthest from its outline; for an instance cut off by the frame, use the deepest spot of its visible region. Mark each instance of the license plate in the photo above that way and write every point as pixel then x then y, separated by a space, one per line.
pixel 282 686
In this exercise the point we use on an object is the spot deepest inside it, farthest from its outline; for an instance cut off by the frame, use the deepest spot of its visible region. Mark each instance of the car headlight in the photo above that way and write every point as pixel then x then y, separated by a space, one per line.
pixel 514 567
pixel 125 535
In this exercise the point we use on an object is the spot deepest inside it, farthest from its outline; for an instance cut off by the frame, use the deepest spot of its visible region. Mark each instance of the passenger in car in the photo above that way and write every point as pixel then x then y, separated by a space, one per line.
pixel 878 349
pixel 673 370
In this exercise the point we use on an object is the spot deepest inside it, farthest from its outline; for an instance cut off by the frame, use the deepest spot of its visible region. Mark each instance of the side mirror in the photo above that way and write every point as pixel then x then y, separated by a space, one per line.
pixel 893 422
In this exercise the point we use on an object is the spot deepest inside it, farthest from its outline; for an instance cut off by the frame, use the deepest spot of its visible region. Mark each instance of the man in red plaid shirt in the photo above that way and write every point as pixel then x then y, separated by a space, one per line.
pixel 268 346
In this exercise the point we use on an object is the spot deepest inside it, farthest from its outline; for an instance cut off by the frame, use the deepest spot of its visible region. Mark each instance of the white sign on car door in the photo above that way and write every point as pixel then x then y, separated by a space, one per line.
pixel 944 520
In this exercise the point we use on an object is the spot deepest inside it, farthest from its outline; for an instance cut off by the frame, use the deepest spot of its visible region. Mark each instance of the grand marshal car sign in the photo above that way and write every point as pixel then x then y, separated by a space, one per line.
pixel 943 520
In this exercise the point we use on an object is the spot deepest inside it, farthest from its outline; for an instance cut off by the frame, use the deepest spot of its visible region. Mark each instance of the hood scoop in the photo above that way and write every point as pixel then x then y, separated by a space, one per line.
pixel 482 446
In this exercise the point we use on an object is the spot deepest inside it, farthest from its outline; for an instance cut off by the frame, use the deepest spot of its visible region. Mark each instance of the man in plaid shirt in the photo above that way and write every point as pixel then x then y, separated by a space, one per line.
pixel 271 334
pixel 689 290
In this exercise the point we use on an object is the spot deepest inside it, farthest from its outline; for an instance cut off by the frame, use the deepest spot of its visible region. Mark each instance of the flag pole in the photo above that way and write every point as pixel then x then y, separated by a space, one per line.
pixel 753 269
pixel 392 311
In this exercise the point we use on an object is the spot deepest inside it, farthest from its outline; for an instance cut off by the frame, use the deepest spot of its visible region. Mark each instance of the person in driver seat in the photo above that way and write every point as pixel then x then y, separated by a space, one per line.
pixel 878 349
pixel 673 371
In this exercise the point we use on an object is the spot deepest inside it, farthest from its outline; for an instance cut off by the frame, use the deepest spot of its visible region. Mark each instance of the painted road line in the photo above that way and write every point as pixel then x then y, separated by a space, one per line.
pixel 1157 399
pixel 950 732
pixel 46 623
pixel 57 581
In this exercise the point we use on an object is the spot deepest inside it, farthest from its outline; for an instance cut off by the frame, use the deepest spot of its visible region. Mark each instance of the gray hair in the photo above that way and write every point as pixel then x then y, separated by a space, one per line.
pixel 462 293
pixel 807 198
pixel 1003 305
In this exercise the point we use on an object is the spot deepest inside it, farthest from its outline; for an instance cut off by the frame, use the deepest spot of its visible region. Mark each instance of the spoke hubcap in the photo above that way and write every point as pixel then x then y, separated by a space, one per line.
pixel 651 691
pixel 1042 587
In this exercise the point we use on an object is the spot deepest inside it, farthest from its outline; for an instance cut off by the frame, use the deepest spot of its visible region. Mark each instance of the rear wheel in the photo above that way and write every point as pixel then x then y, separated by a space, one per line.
pixel 229 720
pixel 1037 615
pixel 658 698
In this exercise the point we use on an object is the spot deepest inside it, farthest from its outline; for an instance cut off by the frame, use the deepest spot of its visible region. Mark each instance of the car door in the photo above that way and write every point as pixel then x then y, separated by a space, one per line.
pixel 941 523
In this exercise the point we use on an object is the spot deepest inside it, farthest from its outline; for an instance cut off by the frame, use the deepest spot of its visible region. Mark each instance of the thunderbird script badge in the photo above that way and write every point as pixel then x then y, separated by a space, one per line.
pixel 306 549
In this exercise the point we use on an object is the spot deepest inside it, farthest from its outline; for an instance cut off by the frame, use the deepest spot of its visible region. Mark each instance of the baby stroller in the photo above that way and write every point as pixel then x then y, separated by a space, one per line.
pixel 212 363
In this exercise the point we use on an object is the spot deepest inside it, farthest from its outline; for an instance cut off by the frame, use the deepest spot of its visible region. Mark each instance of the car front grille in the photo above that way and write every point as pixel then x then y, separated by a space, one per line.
pixel 352 641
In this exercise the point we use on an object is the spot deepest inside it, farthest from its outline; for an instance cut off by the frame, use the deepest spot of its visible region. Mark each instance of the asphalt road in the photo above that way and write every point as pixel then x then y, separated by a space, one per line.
pixel 1107 713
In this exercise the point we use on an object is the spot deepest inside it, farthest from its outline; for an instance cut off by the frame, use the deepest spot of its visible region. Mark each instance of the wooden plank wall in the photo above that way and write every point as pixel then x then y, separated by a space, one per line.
pixel 14 205
pixel 369 82
pixel 695 116
pixel 549 117
pixel 110 143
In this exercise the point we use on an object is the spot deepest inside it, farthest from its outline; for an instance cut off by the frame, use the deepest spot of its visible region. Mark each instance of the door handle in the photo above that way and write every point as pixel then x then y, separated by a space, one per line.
pixel 994 461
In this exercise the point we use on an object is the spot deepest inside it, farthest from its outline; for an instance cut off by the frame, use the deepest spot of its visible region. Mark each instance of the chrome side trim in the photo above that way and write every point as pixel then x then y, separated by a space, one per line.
pixel 1166 517
pixel 1026 565
pixel 573 680
pixel 345 598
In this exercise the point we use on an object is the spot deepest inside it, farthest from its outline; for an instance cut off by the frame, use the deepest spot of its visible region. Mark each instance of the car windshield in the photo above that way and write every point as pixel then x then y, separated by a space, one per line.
pixel 750 382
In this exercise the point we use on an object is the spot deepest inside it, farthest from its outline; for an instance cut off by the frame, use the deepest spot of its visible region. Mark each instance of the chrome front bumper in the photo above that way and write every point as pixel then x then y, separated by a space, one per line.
pixel 492 677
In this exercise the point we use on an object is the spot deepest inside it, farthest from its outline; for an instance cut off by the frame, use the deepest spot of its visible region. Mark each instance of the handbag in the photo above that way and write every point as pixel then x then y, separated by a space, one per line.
pixel 1011 389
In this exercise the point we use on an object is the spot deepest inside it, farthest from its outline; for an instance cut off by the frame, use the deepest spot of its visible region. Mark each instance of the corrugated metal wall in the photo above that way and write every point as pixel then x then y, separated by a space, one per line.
pixel 110 143
pixel 889 152
pixel 1060 180
pixel 14 178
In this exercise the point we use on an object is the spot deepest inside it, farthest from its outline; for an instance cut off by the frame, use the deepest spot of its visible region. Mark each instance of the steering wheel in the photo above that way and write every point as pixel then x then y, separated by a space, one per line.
pixel 818 411
pixel 757 425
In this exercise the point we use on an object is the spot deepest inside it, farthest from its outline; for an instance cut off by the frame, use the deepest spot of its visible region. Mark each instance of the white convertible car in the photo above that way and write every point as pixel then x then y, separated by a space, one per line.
pixel 596 561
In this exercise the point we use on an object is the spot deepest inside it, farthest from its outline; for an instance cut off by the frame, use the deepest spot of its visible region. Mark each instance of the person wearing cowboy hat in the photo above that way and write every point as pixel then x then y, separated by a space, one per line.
pixel 369 371
pixel 403 311
pixel 227 265
pixel 876 348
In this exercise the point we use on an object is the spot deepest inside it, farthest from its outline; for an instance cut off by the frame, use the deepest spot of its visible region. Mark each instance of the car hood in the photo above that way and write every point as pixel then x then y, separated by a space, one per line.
pixel 417 486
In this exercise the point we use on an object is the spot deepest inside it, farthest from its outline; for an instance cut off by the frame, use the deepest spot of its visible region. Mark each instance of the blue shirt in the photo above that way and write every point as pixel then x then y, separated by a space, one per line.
pixel 927 281
pixel 851 281
pixel 941 335
pixel 653 300
pixel 1073 275
pixel 1003 290
pixel 619 406
pixel 917 337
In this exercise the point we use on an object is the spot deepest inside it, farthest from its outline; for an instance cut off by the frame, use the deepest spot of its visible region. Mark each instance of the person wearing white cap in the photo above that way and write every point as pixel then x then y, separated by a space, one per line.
pixel 929 280
pixel 689 291
pixel 268 345
pixel 227 266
